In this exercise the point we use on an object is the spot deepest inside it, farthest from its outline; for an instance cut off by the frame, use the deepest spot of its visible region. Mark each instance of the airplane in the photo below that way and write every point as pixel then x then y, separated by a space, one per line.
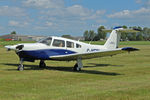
pixel 62 49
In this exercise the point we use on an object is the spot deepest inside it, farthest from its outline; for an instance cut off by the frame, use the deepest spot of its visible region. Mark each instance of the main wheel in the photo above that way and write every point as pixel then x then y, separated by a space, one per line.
pixel 42 64
pixel 76 68
pixel 20 67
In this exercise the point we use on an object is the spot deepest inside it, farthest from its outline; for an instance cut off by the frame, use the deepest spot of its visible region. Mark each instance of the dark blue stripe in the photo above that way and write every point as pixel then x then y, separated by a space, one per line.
pixel 130 49
pixel 44 54
pixel 117 27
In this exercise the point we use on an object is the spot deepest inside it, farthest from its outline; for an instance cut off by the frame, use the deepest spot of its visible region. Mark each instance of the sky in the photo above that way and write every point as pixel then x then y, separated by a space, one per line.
pixel 72 17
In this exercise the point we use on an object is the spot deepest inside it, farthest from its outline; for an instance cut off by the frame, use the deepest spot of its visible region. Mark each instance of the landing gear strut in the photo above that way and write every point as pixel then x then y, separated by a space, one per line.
pixel 76 68
pixel 78 65
pixel 42 64
pixel 21 67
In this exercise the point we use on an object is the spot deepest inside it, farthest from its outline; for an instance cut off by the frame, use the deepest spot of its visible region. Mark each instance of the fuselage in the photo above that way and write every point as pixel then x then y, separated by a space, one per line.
pixel 49 47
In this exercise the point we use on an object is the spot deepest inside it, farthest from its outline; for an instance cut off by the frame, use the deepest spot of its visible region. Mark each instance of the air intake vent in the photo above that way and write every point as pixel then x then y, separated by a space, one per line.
pixel 19 47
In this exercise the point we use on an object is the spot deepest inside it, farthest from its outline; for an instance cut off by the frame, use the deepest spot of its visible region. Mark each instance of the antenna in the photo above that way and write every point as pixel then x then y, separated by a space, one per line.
pixel 92 39
pixel 79 39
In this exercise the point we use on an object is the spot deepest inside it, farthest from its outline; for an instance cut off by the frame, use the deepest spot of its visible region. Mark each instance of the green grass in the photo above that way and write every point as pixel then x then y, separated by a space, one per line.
pixel 122 77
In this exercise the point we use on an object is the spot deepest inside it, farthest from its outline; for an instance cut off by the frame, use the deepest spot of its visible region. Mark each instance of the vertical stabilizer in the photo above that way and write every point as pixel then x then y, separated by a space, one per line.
pixel 113 40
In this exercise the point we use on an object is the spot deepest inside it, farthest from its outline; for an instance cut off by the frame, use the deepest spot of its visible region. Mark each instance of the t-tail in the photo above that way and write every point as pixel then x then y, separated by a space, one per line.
pixel 114 39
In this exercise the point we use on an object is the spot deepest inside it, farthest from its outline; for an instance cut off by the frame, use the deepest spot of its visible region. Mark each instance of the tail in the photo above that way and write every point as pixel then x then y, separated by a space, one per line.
pixel 113 40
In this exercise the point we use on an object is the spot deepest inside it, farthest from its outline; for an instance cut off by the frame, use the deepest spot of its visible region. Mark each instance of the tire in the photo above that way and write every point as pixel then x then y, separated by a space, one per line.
pixel 76 68
pixel 20 67
pixel 42 64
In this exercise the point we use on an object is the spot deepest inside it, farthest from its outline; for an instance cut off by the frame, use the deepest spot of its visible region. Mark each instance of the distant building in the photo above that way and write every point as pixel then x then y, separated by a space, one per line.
pixel 79 38
pixel 73 37
pixel 17 37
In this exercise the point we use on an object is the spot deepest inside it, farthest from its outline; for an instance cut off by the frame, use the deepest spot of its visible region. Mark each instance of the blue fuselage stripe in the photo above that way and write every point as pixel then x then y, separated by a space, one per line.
pixel 44 54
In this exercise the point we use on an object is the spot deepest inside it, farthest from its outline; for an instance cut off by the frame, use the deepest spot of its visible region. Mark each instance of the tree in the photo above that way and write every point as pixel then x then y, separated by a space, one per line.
pixel 139 37
pixel 86 35
pixel 132 36
pixel 146 33
pixel 13 32
pixel 123 34
pixel 92 35
pixel 101 34
pixel 67 36
pixel 125 27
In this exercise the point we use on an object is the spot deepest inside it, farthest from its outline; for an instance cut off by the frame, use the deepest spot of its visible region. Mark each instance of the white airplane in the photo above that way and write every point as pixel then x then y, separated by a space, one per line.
pixel 62 49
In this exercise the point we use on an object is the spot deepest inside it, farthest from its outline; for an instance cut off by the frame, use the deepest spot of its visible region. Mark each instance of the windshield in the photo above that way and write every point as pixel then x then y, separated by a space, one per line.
pixel 46 41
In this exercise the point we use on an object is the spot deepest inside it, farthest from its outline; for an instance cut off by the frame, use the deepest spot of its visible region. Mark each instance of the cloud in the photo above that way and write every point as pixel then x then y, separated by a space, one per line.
pixel 138 1
pixel 54 15
pixel 44 3
pixel 49 23
pixel 78 10
pixel 11 11
pixel 14 23
pixel 57 9
pixel 147 4
pixel 126 14
pixel 122 14
pixel 74 12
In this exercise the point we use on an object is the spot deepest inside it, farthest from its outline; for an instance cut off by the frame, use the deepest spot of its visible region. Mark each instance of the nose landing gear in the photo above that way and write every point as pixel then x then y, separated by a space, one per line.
pixel 21 67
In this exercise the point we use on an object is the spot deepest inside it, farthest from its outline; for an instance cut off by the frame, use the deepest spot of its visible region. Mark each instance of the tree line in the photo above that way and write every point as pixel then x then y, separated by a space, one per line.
pixel 142 35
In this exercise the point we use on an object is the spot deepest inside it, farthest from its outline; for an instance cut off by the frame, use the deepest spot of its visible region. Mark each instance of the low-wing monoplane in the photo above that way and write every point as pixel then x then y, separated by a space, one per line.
pixel 62 49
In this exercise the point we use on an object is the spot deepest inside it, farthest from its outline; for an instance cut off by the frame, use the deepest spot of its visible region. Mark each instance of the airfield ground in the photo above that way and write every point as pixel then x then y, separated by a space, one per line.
pixel 122 77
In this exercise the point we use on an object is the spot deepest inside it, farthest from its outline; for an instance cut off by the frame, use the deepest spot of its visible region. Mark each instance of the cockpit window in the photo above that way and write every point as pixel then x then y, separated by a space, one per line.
pixel 59 43
pixel 46 41
pixel 70 44
pixel 78 46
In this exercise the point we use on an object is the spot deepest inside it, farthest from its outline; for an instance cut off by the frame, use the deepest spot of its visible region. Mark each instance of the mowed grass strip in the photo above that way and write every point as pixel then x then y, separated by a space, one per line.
pixel 121 77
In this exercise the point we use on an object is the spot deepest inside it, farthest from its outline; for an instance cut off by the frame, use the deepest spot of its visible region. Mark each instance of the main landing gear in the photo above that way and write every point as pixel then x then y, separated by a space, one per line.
pixel 42 64
pixel 78 65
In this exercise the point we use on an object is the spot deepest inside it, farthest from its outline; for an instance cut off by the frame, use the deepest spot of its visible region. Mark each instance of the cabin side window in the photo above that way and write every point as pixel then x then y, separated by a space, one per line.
pixel 70 44
pixel 58 43
pixel 78 46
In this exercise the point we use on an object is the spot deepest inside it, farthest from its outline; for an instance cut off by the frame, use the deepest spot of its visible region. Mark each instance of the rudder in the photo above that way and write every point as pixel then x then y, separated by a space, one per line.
pixel 113 40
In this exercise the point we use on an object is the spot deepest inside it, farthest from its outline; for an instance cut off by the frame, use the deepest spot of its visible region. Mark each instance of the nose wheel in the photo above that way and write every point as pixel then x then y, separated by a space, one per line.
pixel 21 67
pixel 42 64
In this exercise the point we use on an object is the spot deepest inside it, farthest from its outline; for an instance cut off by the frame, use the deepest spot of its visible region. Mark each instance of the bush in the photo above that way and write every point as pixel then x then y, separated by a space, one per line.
pixel 2 39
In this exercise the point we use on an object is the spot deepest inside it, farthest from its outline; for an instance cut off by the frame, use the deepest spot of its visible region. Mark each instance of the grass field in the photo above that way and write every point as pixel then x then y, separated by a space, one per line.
pixel 121 77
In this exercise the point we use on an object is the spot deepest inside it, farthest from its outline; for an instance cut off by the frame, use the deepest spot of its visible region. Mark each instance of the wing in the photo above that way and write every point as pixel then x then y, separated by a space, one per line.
pixel 90 55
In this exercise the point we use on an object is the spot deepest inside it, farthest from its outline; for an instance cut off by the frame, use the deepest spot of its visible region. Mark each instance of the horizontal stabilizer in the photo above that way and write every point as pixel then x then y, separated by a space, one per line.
pixel 130 49
pixel 124 31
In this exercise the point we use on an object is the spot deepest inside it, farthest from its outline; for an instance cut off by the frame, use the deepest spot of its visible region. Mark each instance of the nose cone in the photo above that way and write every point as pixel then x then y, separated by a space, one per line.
pixel 14 47
pixel 11 47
